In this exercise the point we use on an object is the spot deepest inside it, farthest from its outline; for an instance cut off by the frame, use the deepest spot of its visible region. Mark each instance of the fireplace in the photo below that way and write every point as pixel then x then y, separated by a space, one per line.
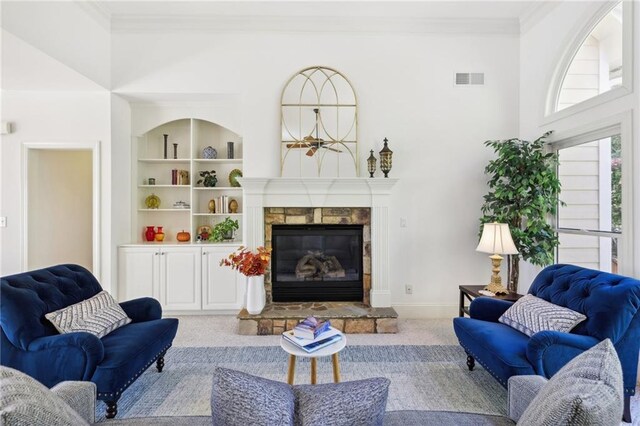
pixel 317 262
pixel 328 201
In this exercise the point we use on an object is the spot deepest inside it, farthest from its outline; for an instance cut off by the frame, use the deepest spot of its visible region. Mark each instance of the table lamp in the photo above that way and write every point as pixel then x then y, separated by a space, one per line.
pixel 496 239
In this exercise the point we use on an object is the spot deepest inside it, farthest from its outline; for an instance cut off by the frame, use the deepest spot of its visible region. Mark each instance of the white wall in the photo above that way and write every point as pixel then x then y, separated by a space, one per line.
pixel 54 104
pixel 60 215
pixel 64 31
pixel 541 48
pixel 405 91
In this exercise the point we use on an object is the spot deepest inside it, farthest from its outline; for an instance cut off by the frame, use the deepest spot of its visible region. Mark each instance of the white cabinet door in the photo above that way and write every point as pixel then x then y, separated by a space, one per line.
pixel 221 284
pixel 181 278
pixel 138 272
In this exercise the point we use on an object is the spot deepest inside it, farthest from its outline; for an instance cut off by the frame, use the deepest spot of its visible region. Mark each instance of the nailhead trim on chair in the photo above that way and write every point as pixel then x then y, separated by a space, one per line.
pixel 142 370
pixel 485 367
pixel 629 391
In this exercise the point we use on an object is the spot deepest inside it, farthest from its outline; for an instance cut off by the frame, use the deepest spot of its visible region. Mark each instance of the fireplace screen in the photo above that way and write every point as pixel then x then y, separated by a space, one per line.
pixel 317 263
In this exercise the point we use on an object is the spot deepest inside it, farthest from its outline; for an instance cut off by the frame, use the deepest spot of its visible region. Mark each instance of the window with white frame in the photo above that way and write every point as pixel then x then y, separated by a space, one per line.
pixel 589 219
pixel 600 64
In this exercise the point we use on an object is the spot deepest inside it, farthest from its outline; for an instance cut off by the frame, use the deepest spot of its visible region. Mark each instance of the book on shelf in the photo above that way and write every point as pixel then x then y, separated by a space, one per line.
pixel 325 339
pixel 179 177
pixel 311 328
pixel 223 203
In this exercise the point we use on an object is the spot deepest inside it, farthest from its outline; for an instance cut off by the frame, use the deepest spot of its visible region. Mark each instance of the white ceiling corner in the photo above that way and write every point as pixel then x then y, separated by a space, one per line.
pixel 534 14
pixel 96 10
pixel 465 16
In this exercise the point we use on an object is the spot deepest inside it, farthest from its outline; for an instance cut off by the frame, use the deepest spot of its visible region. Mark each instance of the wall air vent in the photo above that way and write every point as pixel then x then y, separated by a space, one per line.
pixel 469 79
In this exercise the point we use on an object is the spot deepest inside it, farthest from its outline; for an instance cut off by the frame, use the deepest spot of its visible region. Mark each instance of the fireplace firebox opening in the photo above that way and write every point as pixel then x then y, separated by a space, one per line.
pixel 317 263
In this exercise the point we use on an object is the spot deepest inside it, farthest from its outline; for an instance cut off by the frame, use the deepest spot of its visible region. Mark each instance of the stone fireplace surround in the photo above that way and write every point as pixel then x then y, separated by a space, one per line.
pixel 320 199
pixel 322 216
pixel 324 200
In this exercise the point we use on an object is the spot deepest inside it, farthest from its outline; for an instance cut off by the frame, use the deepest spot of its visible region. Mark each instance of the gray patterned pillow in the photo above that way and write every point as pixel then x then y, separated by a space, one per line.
pixel 587 391
pixel 530 314
pixel 24 402
pixel 99 315
pixel 360 402
pixel 242 399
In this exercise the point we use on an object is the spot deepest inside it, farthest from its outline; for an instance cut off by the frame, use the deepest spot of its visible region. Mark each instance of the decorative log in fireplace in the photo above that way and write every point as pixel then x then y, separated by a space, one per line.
pixel 317 263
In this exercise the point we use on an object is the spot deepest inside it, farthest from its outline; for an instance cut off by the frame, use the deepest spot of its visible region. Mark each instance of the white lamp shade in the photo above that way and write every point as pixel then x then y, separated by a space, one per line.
pixel 496 239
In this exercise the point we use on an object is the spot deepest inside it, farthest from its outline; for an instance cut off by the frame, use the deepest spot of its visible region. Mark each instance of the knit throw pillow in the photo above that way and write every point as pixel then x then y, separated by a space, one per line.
pixel 25 401
pixel 361 402
pixel 530 314
pixel 241 399
pixel 586 391
pixel 99 315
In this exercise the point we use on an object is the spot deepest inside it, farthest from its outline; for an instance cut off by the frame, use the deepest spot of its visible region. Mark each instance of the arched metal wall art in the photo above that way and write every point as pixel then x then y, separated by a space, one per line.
pixel 319 125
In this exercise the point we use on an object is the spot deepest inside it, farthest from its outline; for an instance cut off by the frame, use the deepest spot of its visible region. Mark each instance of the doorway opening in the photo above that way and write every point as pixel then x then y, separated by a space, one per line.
pixel 61 208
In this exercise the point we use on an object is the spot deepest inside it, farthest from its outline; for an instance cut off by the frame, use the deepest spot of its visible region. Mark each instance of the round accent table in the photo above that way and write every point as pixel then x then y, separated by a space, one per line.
pixel 294 352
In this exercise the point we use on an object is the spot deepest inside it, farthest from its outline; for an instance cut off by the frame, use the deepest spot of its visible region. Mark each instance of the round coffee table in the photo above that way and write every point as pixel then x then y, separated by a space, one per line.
pixel 295 351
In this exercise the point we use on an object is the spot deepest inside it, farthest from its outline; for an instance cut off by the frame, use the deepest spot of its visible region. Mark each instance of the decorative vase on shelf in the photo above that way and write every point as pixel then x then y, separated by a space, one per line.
pixel 150 233
pixel 159 234
pixel 256 295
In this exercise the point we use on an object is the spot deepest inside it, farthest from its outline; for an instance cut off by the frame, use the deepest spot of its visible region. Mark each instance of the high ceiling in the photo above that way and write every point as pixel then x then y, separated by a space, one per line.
pixel 393 9
pixel 470 16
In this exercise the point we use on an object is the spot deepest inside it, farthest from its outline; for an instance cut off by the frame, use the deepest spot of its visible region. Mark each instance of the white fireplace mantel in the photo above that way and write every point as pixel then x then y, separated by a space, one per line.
pixel 259 193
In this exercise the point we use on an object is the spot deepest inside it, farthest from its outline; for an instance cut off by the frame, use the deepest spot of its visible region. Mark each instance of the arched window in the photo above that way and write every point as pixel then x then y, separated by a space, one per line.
pixel 597 66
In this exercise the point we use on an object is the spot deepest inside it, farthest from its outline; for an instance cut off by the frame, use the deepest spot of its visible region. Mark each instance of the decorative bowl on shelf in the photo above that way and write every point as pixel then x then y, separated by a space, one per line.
pixel 233 177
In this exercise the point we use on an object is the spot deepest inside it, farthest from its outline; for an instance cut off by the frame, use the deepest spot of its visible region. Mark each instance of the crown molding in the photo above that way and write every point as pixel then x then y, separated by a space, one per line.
pixel 535 13
pixel 123 24
pixel 97 11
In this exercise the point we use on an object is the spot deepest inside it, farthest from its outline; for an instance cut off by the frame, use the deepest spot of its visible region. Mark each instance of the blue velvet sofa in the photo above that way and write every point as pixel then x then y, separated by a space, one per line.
pixel 610 302
pixel 30 343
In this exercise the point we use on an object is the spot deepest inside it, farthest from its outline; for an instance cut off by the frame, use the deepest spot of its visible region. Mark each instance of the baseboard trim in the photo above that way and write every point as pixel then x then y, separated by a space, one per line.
pixel 227 312
pixel 406 311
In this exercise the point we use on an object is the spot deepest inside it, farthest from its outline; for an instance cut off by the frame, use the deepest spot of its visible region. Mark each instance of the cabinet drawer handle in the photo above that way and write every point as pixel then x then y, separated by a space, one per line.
pixel 204 253
pixel 163 253
pixel 156 253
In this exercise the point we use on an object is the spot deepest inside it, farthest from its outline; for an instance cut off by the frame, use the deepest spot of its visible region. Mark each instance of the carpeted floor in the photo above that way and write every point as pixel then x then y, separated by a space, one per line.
pixel 424 362
pixel 422 377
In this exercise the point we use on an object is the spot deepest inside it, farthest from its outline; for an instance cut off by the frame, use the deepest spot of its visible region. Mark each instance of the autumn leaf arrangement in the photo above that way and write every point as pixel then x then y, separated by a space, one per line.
pixel 247 262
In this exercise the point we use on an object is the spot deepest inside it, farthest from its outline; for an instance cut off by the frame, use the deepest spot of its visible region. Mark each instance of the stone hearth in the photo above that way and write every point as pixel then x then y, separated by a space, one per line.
pixel 349 317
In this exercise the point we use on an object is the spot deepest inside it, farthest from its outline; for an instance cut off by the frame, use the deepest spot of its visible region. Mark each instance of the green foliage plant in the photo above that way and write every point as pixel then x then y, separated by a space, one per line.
pixel 209 178
pixel 523 192
pixel 224 230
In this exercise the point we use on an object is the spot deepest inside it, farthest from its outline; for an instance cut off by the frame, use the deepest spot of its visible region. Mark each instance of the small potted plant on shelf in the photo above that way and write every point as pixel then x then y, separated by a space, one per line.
pixel 253 265
pixel 224 230
pixel 209 178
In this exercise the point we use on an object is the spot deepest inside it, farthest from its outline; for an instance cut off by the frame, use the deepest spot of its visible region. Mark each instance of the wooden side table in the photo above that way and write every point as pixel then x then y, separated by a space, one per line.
pixel 331 350
pixel 470 292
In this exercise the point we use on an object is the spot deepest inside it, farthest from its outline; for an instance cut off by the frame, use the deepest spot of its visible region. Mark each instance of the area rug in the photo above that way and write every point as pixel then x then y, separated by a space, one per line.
pixel 422 377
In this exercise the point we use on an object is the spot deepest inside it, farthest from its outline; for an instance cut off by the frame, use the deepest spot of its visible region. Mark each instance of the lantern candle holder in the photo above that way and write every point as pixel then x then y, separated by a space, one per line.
pixel 371 164
pixel 385 158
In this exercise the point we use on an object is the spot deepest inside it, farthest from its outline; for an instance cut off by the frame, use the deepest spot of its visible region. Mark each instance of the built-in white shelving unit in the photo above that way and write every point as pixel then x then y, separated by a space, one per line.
pixel 192 136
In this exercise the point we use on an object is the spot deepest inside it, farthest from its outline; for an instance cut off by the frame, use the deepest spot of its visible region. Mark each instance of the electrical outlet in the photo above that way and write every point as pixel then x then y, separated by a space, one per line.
pixel 403 222
pixel 3 222
pixel 408 288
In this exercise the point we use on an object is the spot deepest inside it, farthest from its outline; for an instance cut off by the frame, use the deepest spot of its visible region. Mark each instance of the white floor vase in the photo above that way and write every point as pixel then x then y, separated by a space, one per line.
pixel 256 296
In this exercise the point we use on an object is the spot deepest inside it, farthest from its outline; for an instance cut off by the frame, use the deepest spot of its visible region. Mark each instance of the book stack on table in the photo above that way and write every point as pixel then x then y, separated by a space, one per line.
pixel 311 335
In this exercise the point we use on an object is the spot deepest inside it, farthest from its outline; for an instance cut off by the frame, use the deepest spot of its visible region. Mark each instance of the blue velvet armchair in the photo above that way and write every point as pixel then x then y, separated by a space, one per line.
pixel 610 302
pixel 30 343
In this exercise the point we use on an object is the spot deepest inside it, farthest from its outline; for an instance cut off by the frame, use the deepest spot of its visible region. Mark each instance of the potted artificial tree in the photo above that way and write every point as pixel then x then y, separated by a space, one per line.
pixel 523 192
